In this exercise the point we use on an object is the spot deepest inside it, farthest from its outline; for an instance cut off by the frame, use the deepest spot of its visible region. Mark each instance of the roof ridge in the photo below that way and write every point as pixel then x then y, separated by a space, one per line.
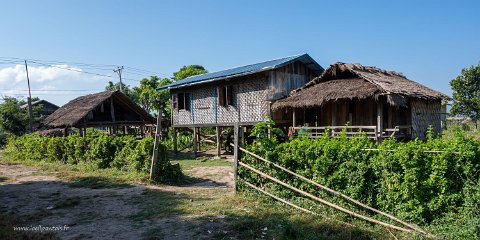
pixel 226 69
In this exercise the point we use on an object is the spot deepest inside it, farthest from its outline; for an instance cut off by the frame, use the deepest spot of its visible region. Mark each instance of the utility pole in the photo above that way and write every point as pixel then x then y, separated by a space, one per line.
pixel 119 72
pixel 29 100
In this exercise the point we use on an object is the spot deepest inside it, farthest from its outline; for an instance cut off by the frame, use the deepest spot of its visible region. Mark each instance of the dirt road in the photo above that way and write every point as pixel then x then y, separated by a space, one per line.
pixel 107 213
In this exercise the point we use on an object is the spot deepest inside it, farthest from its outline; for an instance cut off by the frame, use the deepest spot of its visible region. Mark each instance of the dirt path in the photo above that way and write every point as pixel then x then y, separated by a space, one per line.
pixel 87 213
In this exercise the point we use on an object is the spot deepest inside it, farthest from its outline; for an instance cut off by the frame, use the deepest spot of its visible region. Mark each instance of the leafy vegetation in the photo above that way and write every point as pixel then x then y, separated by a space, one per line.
pixel 466 93
pixel 401 178
pixel 98 150
pixel 188 71
pixel 147 96
pixel 14 119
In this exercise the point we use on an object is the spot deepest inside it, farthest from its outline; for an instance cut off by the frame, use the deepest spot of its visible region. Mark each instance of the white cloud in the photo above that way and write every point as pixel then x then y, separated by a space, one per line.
pixel 13 82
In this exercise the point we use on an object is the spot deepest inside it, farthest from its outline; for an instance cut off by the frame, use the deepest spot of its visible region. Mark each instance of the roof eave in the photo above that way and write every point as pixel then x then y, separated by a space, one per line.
pixel 214 79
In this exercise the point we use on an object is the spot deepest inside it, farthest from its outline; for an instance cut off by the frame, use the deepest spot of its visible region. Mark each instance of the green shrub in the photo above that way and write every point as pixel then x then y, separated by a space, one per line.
pixel 99 150
pixel 401 178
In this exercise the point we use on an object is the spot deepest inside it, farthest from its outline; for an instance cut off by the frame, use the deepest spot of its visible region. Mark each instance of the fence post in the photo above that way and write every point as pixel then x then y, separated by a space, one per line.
pixel 155 145
pixel 236 153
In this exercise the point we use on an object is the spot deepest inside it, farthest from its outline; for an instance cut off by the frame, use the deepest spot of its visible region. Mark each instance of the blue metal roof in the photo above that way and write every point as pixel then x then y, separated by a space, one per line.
pixel 244 70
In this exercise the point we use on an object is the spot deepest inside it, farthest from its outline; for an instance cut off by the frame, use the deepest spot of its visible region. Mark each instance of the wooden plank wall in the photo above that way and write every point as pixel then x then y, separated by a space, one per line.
pixel 283 80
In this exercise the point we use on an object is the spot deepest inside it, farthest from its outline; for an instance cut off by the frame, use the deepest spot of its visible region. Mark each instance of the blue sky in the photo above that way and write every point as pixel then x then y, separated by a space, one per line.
pixel 428 41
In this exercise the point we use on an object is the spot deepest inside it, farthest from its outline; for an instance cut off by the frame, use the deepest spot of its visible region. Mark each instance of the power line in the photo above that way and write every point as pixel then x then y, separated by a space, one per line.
pixel 53 90
pixel 72 69
pixel 85 65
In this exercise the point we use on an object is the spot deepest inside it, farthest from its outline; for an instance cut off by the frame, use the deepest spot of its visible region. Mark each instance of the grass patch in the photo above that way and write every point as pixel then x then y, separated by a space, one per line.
pixel 3 179
pixel 96 182
pixel 187 162
pixel 83 174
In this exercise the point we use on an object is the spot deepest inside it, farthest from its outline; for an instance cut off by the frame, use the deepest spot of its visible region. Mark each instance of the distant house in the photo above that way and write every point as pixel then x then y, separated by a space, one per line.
pixel 382 103
pixel 110 109
pixel 43 107
pixel 239 95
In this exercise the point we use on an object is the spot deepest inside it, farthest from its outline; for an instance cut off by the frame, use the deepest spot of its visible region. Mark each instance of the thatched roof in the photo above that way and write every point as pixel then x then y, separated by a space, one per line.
pixel 354 81
pixel 72 113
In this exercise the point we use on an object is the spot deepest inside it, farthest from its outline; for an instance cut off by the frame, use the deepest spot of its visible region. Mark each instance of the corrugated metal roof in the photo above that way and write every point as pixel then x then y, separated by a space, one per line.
pixel 244 70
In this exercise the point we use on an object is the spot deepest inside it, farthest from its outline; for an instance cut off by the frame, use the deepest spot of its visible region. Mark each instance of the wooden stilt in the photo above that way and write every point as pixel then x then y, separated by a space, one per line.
pixel 174 136
pixel 195 142
pixel 219 143
pixel 199 139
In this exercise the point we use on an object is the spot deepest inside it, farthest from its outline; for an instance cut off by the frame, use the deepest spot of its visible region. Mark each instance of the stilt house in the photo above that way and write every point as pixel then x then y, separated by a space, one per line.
pixel 239 95
pixel 380 103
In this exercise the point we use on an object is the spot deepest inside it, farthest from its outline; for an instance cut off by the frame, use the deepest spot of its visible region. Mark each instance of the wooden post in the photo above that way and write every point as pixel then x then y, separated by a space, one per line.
pixel 270 113
pixel 334 114
pixel 112 114
pixel 294 119
pixel 159 122
pixel 236 153
pixel 174 136
pixel 199 139
pixel 379 119
pixel 155 146
pixel 304 117
pixel 194 142
pixel 219 143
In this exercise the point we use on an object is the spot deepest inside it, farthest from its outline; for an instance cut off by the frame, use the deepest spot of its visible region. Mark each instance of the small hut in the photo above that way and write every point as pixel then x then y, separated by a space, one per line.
pixel 43 107
pixel 110 109
pixel 379 102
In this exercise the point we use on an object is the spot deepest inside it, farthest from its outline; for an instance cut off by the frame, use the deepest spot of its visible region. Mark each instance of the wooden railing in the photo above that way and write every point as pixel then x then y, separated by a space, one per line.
pixel 351 131
pixel 398 131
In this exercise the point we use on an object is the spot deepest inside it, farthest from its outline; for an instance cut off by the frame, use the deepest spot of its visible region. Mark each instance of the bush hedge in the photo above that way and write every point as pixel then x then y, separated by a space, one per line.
pixel 100 150
pixel 401 178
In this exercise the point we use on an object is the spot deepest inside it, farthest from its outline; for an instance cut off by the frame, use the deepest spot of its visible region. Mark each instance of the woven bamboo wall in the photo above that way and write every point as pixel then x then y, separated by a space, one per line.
pixel 249 103
pixel 425 113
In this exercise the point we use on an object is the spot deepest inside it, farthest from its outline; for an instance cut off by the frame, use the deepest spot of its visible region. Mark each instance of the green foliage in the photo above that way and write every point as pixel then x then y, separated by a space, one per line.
pixel 13 119
pixel 101 151
pixel 188 71
pixel 401 178
pixel 149 98
pixel 125 88
pixel 466 93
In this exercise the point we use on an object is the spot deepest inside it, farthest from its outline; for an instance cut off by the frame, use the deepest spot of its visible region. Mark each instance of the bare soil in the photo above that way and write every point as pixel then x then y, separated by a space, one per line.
pixel 27 192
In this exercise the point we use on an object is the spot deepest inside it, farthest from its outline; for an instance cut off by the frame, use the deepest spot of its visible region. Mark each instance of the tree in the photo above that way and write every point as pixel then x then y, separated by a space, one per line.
pixel 187 71
pixel 13 118
pixel 149 98
pixel 466 93
pixel 125 88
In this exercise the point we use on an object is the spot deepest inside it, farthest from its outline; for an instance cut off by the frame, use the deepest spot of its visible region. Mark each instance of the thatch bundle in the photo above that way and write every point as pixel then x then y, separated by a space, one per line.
pixel 354 81
pixel 74 112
